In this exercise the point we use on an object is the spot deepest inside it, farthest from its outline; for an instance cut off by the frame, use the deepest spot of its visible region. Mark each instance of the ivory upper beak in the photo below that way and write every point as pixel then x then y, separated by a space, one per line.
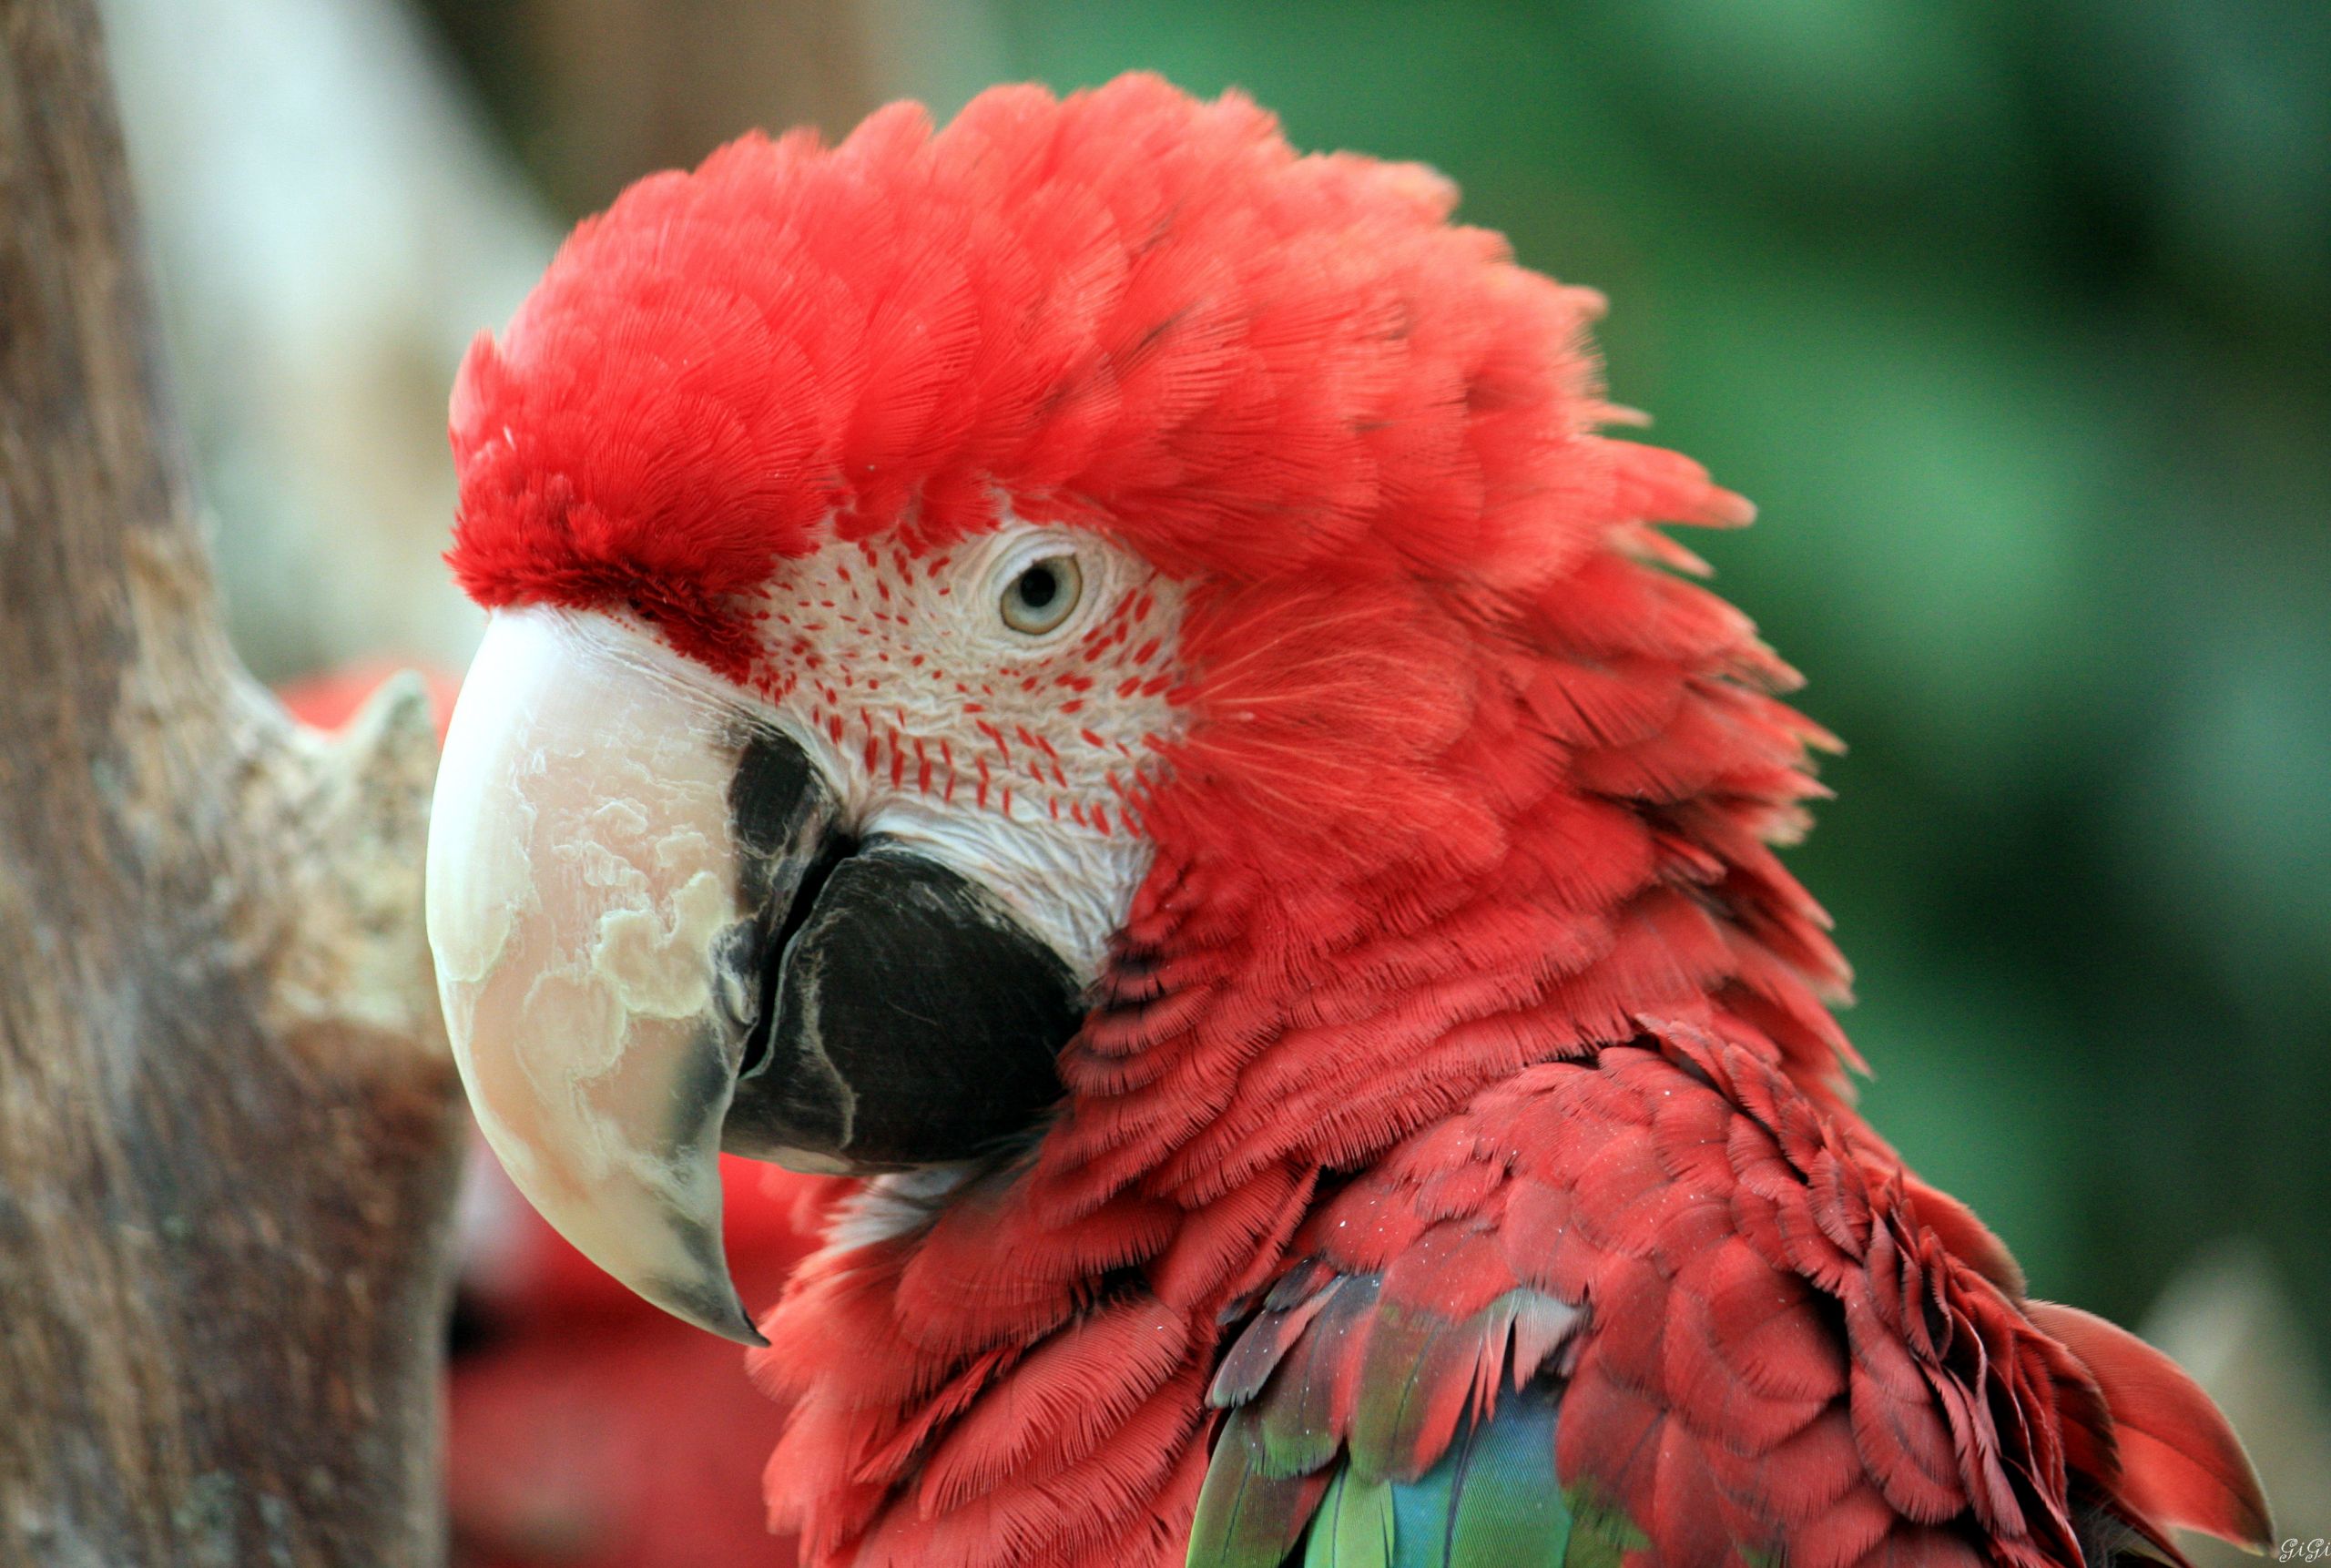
pixel 584 882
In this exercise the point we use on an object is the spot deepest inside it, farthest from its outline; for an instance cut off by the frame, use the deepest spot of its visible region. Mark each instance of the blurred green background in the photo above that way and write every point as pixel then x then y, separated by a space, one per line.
pixel 2015 320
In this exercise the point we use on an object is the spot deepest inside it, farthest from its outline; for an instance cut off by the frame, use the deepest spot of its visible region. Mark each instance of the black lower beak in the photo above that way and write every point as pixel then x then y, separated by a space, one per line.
pixel 911 1019
pixel 904 1015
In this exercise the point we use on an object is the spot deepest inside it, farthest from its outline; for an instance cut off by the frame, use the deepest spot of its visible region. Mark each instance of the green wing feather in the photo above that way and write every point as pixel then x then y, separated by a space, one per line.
pixel 1355 1525
pixel 1252 1506
pixel 1490 1502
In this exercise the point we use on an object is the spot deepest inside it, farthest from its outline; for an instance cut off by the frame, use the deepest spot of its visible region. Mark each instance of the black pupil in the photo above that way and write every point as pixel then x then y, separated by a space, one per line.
pixel 1039 585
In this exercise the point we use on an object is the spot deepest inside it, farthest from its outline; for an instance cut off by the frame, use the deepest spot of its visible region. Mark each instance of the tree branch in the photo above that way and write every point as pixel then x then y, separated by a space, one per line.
pixel 228 1123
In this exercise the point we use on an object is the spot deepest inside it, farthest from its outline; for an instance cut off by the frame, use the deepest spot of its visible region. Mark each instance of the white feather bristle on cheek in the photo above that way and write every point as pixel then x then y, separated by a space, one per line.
pixel 1016 758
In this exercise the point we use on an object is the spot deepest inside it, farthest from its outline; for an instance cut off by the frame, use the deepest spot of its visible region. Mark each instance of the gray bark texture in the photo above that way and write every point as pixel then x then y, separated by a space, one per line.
pixel 228 1124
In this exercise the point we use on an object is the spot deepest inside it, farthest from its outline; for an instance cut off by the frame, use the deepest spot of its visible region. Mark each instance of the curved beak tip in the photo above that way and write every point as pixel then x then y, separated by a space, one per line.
pixel 712 1305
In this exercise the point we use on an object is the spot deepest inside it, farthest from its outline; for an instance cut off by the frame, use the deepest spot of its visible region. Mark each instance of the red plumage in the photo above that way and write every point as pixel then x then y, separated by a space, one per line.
pixel 1465 1027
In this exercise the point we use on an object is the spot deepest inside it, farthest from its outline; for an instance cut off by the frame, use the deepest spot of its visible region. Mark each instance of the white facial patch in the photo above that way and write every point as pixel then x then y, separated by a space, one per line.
pixel 1008 755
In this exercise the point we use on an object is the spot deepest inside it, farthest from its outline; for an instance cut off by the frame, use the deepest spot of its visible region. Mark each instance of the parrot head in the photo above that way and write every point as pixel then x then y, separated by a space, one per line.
pixel 938 579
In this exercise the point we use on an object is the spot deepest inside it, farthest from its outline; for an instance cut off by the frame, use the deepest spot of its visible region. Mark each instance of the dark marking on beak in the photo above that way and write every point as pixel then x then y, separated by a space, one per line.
pixel 783 813
pixel 783 810
pixel 916 1020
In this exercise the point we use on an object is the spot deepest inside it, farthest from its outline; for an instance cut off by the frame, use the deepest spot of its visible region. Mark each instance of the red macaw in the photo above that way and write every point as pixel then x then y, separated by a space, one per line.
pixel 1096 679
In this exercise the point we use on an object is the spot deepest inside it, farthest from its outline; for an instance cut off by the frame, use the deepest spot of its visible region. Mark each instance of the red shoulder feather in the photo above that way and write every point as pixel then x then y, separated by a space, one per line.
pixel 1763 1347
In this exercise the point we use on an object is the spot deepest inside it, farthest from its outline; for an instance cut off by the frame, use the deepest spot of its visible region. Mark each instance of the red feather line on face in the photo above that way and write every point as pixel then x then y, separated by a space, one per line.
pixel 1469 784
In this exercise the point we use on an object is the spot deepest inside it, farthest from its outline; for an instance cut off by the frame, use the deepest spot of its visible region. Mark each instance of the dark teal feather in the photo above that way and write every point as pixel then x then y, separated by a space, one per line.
pixel 1492 1500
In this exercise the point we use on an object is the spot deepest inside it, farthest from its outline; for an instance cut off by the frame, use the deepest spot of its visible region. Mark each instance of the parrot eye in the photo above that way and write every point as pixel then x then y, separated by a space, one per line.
pixel 1043 595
